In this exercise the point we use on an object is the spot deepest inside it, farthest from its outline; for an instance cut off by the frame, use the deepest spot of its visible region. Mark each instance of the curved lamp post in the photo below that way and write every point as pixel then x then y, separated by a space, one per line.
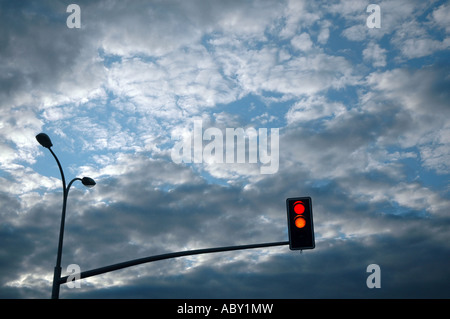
pixel 45 141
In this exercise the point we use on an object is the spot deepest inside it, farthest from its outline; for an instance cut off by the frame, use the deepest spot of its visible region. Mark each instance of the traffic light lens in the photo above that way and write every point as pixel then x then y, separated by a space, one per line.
pixel 299 208
pixel 300 222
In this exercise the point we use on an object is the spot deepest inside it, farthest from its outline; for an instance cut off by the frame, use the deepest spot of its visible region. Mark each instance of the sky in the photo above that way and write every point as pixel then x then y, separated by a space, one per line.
pixel 356 116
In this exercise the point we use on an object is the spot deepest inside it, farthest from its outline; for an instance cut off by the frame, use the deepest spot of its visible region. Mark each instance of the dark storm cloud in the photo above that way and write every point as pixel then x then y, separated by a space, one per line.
pixel 163 221
pixel 25 246
pixel 174 221
pixel 336 270
pixel 37 55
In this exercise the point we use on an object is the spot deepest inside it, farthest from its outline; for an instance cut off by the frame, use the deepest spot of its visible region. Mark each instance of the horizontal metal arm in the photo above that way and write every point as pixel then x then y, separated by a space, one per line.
pixel 102 270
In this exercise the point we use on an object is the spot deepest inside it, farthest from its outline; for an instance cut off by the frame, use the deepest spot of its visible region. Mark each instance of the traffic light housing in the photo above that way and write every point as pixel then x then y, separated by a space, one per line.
pixel 300 223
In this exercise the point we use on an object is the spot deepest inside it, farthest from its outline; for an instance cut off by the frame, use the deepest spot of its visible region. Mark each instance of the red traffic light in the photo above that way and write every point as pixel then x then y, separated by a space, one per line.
pixel 300 223
pixel 298 207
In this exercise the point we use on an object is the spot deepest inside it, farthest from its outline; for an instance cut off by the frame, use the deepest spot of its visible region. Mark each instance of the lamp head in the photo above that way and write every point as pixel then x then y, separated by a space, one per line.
pixel 44 140
pixel 88 182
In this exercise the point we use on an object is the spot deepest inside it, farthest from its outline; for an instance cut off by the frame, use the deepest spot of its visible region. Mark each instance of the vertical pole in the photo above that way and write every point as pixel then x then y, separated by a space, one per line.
pixel 57 272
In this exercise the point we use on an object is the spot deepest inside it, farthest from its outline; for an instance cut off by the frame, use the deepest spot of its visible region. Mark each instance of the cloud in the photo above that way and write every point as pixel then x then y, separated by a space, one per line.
pixel 374 54
pixel 302 42
pixel 313 108
pixel 17 130
pixel 440 16
pixel 46 65
pixel 415 41
pixel 184 82
pixel 420 97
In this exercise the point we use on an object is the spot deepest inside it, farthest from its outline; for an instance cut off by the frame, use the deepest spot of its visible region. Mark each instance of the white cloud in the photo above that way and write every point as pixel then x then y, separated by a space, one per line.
pixel 417 197
pixel 313 108
pixel 17 130
pixel 324 33
pixel 356 32
pixel 374 54
pixel 295 13
pixel 177 84
pixel 414 40
pixel 436 155
pixel 441 16
pixel 421 114
pixel 24 180
pixel 416 48
pixel 302 42
pixel 259 71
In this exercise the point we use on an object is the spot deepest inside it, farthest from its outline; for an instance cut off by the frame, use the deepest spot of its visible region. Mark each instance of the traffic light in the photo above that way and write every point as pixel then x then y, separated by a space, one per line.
pixel 300 223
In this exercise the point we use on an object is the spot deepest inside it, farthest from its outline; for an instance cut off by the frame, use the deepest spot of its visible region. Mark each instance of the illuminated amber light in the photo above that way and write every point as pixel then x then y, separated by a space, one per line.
pixel 300 222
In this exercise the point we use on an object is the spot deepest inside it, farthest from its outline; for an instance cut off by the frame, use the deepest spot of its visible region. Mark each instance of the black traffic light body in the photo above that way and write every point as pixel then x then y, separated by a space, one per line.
pixel 300 223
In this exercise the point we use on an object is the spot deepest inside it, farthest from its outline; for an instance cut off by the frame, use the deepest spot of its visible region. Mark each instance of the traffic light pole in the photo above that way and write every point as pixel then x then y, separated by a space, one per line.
pixel 102 270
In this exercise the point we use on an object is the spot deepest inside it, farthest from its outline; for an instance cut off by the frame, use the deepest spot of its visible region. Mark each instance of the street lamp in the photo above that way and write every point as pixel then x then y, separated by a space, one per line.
pixel 45 141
